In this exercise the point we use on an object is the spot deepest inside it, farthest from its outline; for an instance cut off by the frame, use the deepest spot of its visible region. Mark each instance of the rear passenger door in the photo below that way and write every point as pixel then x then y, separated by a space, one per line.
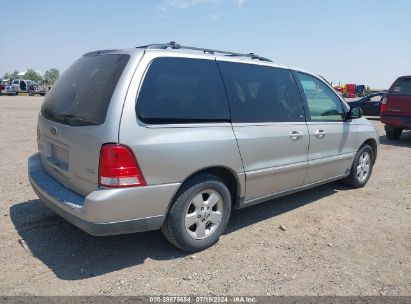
pixel 332 138
pixel 268 121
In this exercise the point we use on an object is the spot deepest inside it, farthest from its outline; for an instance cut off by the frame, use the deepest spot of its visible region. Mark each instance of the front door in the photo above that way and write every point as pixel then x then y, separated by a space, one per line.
pixel 332 138
pixel 268 121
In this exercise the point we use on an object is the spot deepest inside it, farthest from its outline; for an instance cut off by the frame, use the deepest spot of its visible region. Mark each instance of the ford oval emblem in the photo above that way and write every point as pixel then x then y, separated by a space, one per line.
pixel 54 131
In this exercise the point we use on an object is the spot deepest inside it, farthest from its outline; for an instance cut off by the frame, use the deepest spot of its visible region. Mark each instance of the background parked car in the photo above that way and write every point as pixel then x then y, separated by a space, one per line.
pixel 370 104
pixel 20 85
pixel 2 85
pixel 7 89
pixel 396 108
pixel 27 86
pixel 36 88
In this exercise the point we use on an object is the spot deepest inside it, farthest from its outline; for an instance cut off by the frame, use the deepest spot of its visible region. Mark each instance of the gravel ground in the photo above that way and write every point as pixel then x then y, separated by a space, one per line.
pixel 337 241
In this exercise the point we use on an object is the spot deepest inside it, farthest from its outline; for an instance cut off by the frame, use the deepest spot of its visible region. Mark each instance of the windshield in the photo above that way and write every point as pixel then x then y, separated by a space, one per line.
pixel 82 94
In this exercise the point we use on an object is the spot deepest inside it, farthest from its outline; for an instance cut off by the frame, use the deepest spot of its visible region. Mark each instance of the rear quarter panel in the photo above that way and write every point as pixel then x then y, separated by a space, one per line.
pixel 170 153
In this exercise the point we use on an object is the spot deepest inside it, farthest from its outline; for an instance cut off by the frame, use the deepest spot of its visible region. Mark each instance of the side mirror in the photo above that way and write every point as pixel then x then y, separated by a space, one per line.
pixel 354 113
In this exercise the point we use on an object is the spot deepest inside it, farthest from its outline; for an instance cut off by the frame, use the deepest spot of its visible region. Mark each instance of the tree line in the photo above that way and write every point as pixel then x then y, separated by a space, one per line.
pixel 49 77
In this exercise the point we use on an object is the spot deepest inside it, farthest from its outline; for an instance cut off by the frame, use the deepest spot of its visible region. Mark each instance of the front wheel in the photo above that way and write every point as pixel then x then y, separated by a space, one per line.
pixel 199 214
pixel 393 133
pixel 361 168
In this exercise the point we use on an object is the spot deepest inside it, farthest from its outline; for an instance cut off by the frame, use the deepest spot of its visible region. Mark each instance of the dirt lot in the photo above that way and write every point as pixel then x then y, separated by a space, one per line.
pixel 338 241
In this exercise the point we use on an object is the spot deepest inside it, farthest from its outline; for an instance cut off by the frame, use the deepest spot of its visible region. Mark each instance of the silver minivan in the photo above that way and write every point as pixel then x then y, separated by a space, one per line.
pixel 171 137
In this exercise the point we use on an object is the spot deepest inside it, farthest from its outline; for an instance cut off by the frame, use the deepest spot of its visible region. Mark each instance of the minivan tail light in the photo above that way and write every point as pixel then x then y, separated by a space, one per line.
pixel 119 168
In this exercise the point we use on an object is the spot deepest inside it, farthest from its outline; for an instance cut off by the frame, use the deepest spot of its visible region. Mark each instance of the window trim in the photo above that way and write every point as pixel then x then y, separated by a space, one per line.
pixel 308 117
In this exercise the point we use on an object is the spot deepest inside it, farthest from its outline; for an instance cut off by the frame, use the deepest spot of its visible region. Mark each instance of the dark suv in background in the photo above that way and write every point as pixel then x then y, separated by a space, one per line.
pixel 396 108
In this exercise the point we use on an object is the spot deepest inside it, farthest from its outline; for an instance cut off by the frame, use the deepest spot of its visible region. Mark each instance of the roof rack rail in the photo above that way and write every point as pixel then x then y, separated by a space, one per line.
pixel 176 46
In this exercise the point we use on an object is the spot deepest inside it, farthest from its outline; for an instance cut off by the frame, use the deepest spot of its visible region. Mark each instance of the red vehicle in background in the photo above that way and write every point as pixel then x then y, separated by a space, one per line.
pixel 396 108
pixel 2 85
pixel 351 91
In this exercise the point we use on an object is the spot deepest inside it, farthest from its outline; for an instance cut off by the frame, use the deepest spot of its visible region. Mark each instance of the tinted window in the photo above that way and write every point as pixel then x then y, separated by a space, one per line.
pixel 402 86
pixel 323 103
pixel 178 90
pixel 82 94
pixel 261 94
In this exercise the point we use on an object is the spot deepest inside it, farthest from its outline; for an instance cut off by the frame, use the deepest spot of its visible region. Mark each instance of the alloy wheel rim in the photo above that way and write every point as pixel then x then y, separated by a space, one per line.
pixel 363 166
pixel 204 214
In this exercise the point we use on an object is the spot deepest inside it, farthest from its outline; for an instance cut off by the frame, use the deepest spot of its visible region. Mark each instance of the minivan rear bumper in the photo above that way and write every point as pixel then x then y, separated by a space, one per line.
pixel 104 211
pixel 396 121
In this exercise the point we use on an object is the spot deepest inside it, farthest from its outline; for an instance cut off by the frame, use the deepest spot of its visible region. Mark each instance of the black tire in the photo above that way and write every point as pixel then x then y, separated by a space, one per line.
pixel 174 228
pixel 31 93
pixel 393 133
pixel 353 180
pixel 17 93
pixel 42 94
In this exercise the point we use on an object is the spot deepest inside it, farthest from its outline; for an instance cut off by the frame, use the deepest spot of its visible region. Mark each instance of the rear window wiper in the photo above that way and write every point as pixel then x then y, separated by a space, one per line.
pixel 72 119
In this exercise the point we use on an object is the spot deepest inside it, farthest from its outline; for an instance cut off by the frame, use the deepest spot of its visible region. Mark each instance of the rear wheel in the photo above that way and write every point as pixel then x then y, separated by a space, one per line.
pixel 199 214
pixel 393 133
pixel 361 168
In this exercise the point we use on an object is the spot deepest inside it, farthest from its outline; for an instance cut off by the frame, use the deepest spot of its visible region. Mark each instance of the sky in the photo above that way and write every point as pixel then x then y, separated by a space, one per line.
pixel 363 42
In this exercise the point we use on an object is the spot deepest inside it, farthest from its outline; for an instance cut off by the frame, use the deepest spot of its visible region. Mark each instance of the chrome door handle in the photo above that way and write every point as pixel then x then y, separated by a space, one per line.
pixel 296 135
pixel 320 133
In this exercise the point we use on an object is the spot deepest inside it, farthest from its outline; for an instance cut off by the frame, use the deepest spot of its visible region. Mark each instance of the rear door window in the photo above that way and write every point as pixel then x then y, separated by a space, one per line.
pixel 182 90
pixel 402 86
pixel 261 94
pixel 82 94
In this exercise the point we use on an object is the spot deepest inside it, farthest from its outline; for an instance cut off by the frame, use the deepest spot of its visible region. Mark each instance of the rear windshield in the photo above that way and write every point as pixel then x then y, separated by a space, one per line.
pixel 402 86
pixel 82 94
